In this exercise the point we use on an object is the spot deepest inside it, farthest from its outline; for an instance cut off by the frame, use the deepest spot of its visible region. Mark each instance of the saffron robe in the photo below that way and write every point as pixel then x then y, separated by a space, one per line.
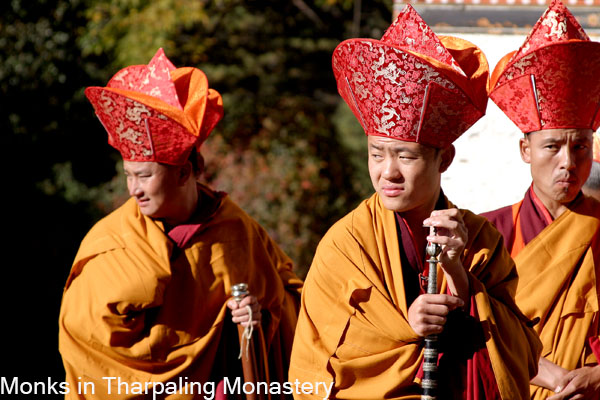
pixel 558 271
pixel 138 308
pixel 364 344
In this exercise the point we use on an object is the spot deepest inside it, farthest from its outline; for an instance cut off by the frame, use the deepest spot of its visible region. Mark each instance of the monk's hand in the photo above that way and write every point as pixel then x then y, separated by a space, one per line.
pixel 549 375
pixel 581 383
pixel 452 235
pixel 240 313
pixel 427 314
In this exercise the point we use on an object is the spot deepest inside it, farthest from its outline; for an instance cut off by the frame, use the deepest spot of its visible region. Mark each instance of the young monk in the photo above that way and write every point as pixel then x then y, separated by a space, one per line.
pixel 365 311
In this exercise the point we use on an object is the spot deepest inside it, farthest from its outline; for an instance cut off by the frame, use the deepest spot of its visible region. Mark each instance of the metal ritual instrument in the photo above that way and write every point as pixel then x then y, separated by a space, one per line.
pixel 429 381
pixel 252 350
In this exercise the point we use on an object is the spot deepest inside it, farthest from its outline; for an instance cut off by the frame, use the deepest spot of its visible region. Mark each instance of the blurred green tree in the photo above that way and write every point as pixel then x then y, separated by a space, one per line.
pixel 286 150
pixel 47 135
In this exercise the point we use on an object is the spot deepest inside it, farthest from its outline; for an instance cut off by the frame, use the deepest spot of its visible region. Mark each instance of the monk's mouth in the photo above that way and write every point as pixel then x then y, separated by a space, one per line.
pixel 566 181
pixel 392 192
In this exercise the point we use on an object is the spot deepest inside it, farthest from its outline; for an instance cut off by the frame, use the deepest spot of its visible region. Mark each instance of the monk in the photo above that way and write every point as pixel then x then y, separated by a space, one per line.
pixel 549 89
pixel 145 308
pixel 365 311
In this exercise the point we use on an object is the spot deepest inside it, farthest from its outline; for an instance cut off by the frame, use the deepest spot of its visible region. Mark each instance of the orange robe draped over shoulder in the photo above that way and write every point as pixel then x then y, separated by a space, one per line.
pixel 558 284
pixel 353 328
pixel 137 309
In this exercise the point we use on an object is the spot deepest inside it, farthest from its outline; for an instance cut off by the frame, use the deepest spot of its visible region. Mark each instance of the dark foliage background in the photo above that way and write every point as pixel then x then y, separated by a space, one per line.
pixel 288 150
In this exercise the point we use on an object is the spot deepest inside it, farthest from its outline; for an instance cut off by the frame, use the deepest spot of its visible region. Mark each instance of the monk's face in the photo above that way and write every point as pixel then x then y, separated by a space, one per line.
pixel 154 186
pixel 560 162
pixel 406 175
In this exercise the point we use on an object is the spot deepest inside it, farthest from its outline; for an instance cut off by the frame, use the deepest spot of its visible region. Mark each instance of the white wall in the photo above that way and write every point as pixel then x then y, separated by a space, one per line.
pixel 488 172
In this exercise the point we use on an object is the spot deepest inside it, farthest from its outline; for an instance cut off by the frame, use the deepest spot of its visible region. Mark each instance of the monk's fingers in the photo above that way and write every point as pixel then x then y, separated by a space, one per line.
pixel 424 324
pixel 449 219
pixel 241 311
pixel 248 300
pixel 244 321
pixel 449 243
pixel 453 239
pixel 232 304
pixel 569 392
pixel 444 225
pixel 451 302
pixel 449 212
pixel 245 317
pixel 254 324
pixel 569 387
pixel 453 228
pixel 432 312
pixel 432 319
pixel 427 329
pixel 427 314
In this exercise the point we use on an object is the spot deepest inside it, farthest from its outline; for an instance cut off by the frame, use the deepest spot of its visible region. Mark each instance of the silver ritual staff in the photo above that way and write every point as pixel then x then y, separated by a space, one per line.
pixel 429 382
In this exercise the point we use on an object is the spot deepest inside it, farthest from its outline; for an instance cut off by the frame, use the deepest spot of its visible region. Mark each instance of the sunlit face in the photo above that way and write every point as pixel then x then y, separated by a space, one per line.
pixel 560 162
pixel 154 186
pixel 406 175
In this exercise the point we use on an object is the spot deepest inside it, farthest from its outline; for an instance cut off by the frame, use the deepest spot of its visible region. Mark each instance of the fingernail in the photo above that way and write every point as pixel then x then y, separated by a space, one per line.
pixel 558 389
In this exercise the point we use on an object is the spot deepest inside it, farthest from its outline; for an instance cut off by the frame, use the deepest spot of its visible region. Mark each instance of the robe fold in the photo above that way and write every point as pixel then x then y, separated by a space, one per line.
pixel 353 329
pixel 142 307
pixel 558 278
pixel 529 215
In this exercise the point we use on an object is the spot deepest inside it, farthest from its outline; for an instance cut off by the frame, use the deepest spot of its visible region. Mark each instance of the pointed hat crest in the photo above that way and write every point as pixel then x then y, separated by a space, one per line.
pixel 157 112
pixel 551 81
pixel 412 85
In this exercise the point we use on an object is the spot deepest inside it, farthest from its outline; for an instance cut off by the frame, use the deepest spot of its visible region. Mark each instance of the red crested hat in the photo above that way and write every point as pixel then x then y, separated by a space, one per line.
pixel 552 81
pixel 157 112
pixel 412 85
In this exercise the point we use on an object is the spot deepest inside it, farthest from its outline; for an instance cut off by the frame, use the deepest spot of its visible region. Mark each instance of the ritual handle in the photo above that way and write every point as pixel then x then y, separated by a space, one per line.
pixel 250 361
pixel 429 381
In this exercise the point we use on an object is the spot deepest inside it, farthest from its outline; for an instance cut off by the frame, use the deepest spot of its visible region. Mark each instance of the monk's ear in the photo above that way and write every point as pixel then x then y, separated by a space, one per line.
pixel 447 155
pixel 525 148
pixel 185 172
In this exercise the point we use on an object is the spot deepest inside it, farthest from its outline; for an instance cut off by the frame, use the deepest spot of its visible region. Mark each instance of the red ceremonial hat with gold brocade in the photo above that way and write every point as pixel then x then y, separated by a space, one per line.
pixel 412 85
pixel 552 81
pixel 157 112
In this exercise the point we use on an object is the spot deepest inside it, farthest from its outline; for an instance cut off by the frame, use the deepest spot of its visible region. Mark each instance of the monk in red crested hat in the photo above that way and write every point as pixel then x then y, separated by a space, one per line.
pixel 550 89
pixel 145 308
pixel 413 93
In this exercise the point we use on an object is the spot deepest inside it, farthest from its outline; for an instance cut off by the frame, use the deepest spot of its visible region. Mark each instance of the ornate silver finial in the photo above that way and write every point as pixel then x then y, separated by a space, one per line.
pixel 239 291
pixel 433 249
